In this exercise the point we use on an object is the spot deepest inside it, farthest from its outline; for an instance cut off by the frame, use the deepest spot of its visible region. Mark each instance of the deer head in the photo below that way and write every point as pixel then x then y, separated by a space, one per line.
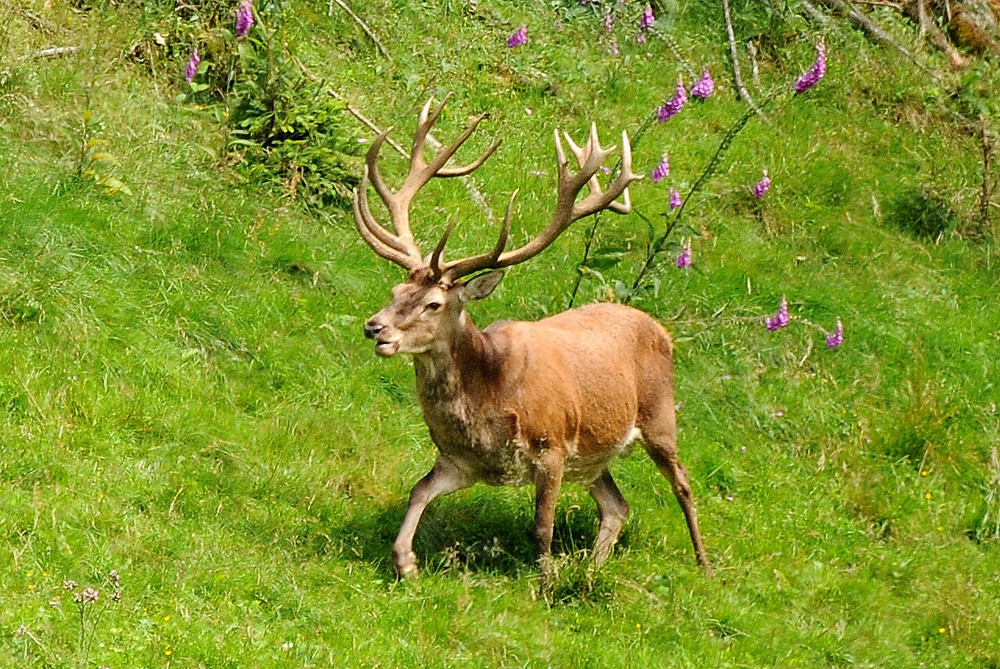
pixel 430 303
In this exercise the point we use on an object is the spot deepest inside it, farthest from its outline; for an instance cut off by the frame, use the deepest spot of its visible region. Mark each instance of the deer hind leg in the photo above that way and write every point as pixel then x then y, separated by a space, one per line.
pixel 613 510
pixel 660 441
pixel 443 479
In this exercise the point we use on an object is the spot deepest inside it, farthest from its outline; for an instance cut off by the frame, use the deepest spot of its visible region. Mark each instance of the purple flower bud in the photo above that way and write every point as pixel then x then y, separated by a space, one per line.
pixel 835 338
pixel 640 37
pixel 815 73
pixel 647 18
pixel 244 18
pixel 705 86
pixel 684 258
pixel 675 199
pixel 662 170
pixel 609 23
pixel 673 106
pixel 519 37
pixel 192 68
pixel 780 319
pixel 761 187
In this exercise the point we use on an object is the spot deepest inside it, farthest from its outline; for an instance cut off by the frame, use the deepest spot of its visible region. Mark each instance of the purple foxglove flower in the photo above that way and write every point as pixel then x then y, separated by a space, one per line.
pixel 662 170
pixel 780 319
pixel 705 86
pixel 835 338
pixel 244 18
pixel 761 187
pixel 192 68
pixel 684 258
pixel 519 37
pixel 815 73
pixel 609 23
pixel 675 199
pixel 640 37
pixel 673 106
pixel 647 18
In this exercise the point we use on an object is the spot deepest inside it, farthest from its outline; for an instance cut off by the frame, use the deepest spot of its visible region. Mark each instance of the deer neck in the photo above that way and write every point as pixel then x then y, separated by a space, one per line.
pixel 459 360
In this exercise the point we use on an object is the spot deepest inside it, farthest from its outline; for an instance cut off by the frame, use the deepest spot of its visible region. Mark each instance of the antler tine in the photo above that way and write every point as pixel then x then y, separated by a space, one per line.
pixel 568 210
pixel 438 252
pixel 364 211
pixel 471 167
pixel 378 241
pixel 459 268
pixel 398 245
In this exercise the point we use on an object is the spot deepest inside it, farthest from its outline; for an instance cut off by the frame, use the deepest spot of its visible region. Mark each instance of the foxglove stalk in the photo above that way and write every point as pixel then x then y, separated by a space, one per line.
pixel 684 258
pixel 244 18
pixel 815 73
pixel 780 319
pixel 519 37
pixel 761 187
pixel 675 199
pixel 674 105
pixel 705 86
pixel 609 23
pixel 662 170
pixel 835 338
pixel 192 68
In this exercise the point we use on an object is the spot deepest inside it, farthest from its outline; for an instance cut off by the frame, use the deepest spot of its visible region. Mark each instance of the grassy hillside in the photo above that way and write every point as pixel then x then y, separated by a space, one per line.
pixel 188 399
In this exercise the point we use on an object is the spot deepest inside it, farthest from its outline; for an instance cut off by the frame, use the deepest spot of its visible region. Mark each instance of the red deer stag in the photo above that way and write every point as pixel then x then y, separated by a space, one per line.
pixel 522 402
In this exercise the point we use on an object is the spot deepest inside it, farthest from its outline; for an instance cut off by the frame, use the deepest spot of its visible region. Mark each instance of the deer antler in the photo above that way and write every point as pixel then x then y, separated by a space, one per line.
pixel 590 158
pixel 399 245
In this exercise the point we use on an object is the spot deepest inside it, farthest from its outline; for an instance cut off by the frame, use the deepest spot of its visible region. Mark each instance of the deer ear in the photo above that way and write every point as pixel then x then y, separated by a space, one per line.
pixel 481 286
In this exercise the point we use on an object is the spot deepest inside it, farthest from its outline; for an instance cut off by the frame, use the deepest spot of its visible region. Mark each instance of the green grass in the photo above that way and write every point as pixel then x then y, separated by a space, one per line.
pixel 188 398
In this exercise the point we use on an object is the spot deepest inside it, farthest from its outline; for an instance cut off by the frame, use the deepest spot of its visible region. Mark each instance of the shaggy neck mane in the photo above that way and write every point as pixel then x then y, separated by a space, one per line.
pixel 459 361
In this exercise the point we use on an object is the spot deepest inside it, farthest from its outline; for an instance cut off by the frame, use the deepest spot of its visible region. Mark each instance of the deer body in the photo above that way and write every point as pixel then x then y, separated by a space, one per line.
pixel 523 402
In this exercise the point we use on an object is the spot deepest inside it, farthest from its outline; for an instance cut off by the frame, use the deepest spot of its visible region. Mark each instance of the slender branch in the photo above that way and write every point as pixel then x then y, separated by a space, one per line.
pixel 364 26
pixel 734 56
pixel 52 52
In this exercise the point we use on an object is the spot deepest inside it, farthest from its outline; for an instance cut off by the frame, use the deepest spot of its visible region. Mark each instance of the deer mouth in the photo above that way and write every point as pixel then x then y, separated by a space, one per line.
pixel 386 349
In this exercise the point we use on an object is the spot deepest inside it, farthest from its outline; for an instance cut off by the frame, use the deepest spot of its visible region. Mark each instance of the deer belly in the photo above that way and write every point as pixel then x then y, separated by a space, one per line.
pixel 586 467
pixel 507 465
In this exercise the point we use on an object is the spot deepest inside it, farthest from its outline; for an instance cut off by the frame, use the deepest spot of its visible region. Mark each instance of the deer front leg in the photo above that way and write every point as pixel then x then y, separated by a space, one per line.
pixel 548 479
pixel 443 479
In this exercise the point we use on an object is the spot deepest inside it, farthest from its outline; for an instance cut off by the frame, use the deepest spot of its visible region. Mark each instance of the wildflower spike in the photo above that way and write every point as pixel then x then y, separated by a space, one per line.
pixel 519 37
pixel 192 67
pixel 705 86
pixel 760 189
pixel 674 105
pixel 244 18
pixel 815 73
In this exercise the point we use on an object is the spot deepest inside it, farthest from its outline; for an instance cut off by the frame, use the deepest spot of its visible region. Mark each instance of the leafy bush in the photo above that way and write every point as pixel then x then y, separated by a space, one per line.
pixel 286 128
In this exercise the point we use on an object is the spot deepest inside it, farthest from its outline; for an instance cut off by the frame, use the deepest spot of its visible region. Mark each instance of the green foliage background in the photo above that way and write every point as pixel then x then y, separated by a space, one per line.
pixel 187 397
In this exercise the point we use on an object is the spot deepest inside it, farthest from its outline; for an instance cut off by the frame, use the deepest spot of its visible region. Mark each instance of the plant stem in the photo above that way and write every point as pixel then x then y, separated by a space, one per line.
pixel 710 169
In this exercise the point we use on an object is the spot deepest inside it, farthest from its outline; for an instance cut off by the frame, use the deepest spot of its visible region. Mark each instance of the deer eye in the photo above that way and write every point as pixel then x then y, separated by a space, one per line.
pixel 433 306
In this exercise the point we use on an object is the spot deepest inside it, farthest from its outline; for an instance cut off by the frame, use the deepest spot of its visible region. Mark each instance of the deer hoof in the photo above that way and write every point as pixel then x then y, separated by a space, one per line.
pixel 406 567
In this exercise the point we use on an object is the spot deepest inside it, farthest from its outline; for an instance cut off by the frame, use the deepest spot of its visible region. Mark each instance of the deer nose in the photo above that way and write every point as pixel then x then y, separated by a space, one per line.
pixel 372 328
